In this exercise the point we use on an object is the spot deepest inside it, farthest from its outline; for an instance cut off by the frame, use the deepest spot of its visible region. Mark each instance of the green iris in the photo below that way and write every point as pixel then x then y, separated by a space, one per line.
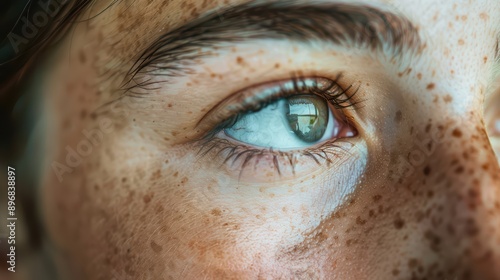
pixel 307 116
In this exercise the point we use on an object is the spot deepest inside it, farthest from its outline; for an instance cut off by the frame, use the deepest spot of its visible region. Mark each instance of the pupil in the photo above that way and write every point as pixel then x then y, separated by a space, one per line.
pixel 307 117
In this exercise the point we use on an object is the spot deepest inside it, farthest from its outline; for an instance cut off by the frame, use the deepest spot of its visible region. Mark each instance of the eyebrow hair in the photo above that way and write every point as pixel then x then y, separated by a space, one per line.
pixel 341 24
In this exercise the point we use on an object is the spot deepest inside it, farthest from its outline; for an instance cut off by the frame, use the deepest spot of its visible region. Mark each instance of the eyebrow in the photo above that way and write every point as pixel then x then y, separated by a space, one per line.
pixel 347 25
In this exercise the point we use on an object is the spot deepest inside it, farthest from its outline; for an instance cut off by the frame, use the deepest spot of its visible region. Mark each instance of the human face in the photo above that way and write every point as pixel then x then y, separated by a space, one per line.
pixel 142 182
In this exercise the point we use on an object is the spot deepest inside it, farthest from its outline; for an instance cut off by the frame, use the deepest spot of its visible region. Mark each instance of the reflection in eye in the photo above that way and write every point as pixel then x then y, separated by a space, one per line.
pixel 307 117
pixel 294 122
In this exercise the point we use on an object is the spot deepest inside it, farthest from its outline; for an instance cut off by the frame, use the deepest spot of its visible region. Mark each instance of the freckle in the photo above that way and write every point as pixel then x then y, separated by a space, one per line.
pixel 412 263
pixel 457 133
pixel 473 193
pixel 147 198
pixel 395 272
pixel 446 52
pixel 216 212
pixel 169 105
pixel 399 223
pixel 277 65
pixel 461 42
pixel 156 248
pixel 371 213
pixel 435 17
pixel 452 72
pixel 377 197
pixel 184 180
pixel 360 221
pixel 239 60
pixel 430 194
pixel 156 175
pixel 430 86
pixel 349 242
pixel 459 169
pixel 465 155
pixel 447 98
pixel 484 16
pixel 176 173
pixel 464 18
pixel 82 57
pixel 419 76
pixel 124 179
pixel 398 116
pixel 213 75
pixel 427 170
pixel 485 59
pixel 428 128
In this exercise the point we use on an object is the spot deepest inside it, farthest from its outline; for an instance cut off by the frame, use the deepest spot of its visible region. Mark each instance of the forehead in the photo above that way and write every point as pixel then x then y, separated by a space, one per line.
pixel 140 21
pixel 457 31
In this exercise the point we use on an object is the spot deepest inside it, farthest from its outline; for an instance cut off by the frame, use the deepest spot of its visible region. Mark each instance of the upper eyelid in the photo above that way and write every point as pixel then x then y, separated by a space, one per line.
pixel 309 85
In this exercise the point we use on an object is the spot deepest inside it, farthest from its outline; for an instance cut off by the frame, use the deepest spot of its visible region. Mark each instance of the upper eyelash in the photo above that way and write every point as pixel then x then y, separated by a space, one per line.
pixel 340 98
pixel 335 97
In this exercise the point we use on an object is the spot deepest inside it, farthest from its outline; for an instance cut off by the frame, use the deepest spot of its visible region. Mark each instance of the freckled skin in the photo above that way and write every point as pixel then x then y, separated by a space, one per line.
pixel 142 205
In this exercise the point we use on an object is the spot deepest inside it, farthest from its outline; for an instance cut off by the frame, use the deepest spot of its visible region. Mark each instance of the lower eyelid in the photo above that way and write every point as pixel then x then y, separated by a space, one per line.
pixel 241 158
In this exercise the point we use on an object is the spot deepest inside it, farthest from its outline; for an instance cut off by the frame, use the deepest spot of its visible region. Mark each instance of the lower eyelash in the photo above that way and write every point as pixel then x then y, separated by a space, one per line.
pixel 231 153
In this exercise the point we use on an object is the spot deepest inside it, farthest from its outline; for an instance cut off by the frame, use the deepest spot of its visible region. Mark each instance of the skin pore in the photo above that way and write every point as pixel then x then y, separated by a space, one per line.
pixel 413 194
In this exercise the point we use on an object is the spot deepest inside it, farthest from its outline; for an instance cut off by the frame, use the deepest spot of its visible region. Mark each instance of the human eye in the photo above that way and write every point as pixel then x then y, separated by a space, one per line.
pixel 282 122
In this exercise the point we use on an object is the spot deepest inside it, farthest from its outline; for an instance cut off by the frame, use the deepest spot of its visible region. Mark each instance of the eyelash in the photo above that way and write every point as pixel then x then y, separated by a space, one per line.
pixel 333 93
